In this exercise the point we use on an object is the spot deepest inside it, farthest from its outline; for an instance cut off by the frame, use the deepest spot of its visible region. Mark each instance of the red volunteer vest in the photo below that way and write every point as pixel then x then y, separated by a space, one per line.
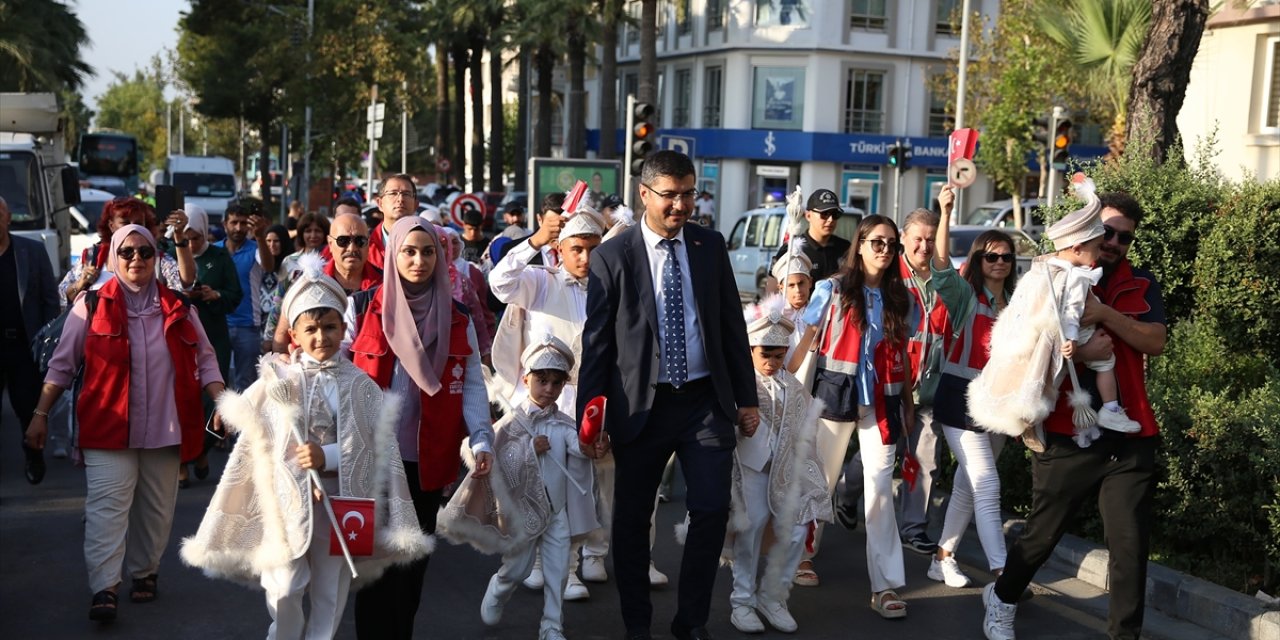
pixel 932 329
pixel 1125 293
pixel 442 428
pixel 967 354
pixel 103 409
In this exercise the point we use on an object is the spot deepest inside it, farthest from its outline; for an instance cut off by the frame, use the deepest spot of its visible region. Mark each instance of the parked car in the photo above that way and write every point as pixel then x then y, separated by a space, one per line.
pixel 756 238
pixel 84 219
pixel 962 237
pixel 999 214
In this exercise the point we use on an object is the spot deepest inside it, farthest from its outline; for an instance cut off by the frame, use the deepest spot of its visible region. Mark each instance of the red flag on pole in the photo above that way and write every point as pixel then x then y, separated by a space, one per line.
pixel 355 518
pixel 574 198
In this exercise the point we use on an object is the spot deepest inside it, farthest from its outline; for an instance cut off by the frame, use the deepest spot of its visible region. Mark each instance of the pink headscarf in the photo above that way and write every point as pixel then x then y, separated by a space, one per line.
pixel 416 317
pixel 141 300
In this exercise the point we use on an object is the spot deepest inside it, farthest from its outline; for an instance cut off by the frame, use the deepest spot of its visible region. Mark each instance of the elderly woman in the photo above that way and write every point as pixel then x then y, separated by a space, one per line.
pixel 93 269
pixel 216 293
pixel 146 359
pixel 411 337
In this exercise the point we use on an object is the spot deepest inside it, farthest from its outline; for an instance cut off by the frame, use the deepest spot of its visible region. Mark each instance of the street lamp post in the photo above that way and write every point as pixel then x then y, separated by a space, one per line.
pixel 305 183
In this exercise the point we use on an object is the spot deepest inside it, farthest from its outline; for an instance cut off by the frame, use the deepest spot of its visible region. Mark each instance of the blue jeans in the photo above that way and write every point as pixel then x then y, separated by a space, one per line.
pixel 246 346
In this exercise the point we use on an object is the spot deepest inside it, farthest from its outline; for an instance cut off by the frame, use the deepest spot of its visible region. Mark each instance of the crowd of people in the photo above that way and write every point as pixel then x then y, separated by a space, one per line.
pixel 449 377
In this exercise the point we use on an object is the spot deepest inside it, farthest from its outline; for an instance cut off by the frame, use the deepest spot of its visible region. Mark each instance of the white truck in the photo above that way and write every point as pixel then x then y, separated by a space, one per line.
pixel 35 179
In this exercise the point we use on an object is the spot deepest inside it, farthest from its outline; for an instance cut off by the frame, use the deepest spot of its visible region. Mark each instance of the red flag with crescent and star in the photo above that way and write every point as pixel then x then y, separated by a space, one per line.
pixel 355 519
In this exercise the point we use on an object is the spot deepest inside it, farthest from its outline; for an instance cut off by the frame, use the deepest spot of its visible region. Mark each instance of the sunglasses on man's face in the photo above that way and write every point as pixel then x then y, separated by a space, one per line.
pixel 993 258
pixel 1123 237
pixel 345 241
pixel 144 252
pixel 833 214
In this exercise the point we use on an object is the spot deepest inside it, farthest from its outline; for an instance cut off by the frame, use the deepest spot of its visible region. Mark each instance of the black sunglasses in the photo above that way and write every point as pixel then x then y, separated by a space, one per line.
pixel 345 241
pixel 993 258
pixel 1123 237
pixel 832 214
pixel 144 252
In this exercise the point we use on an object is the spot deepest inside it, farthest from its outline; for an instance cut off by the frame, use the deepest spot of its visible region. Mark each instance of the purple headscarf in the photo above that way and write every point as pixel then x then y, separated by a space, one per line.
pixel 416 317
pixel 141 300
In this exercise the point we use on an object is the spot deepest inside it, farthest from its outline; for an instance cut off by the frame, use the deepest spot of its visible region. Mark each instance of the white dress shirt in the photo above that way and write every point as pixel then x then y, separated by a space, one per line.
pixel 695 352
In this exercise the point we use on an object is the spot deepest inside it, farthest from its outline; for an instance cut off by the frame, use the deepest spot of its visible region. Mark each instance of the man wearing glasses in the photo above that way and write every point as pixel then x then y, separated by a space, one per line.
pixel 349 244
pixel 822 246
pixel 397 199
pixel 1118 468
pixel 666 342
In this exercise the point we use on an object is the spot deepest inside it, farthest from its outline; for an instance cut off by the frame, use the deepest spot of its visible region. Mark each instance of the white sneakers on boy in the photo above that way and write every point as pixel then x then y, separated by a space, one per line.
pixel 1117 420
pixel 535 579
pixel 948 571
pixel 593 569
pixel 491 606
pixel 777 614
pixel 998 622
pixel 574 590
pixel 744 619
pixel 656 578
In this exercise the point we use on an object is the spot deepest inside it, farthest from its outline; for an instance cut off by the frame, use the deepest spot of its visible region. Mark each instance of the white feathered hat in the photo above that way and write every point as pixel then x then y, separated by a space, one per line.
pixel 1083 224
pixel 548 352
pixel 312 289
pixel 766 325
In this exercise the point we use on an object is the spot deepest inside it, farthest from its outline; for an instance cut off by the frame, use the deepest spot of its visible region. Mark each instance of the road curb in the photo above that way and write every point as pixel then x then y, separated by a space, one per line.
pixel 1171 592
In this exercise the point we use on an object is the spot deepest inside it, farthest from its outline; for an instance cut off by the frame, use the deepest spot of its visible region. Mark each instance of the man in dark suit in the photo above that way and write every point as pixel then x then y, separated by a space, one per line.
pixel 666 343
pixel 28 300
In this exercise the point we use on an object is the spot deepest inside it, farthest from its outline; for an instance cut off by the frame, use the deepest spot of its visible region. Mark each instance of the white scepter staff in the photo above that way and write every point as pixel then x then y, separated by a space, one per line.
pixel 324 497
pixel 506 406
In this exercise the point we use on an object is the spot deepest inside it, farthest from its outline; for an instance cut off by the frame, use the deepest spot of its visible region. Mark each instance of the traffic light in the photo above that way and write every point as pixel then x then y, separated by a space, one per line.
pixel 1062 143
pixel 1040 132
pixel 641 134
pixel 900 154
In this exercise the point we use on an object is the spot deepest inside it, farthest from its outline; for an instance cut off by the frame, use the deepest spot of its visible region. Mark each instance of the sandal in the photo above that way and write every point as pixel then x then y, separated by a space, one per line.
pixel 889 605
pixel 103 607
pixel 805 577
pixel 144 589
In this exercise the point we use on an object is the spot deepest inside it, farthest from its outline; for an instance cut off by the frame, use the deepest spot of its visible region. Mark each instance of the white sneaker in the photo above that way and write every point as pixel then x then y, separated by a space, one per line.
pixel 535 579
pixel 998 623
pixel 948 571
pixel 1117 421
pixel 551 634
pixel 491 606
pixel 777 614
pixel 656 578
pixel 593 569
pixel 744 619
pixel 574 590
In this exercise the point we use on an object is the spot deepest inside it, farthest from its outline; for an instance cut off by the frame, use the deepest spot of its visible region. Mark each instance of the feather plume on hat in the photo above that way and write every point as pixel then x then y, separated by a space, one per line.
pixel 796 224
pixel 312 289
pixel 623 218
pixel 767 326
pixel 1083 224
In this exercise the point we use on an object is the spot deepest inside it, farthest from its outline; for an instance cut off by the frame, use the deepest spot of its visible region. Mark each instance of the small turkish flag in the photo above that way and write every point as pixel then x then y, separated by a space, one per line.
pixel 355 519
pixel 592 421
pixel 574 198
pixel 910 469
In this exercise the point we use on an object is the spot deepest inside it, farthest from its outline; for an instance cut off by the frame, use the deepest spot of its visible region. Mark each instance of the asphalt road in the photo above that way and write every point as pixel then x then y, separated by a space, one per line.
pixel 44 592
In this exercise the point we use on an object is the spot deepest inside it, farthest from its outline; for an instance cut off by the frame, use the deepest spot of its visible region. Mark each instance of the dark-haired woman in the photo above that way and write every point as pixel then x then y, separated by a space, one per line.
pixel 973 299
pixel 863 316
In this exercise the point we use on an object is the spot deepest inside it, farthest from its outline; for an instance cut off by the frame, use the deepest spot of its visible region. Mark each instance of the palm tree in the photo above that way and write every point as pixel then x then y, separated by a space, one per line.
pixel 612 15
pixel 1104 37
pixel 40 43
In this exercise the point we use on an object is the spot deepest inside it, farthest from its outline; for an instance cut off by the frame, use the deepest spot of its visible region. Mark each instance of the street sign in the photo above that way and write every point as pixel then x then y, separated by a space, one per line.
pixel 376 112
pixel 962 172
pixel 373 130
pixel 682 144
pixel 443 164
pixel 462 203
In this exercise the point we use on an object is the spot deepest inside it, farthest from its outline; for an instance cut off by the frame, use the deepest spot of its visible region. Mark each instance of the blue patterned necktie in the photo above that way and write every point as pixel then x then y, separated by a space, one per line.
pixel 673 316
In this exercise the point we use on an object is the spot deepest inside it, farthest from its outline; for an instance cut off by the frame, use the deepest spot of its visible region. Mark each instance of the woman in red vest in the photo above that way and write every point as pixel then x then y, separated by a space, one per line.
pixel 411 337
pixel 146 359
pixel 973 300
pixel 864 315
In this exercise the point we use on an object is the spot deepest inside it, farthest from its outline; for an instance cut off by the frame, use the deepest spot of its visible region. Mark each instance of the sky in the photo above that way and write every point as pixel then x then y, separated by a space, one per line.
pixel 123 35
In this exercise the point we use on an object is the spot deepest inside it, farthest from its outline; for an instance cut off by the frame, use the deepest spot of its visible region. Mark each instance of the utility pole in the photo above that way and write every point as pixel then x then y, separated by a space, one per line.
pixel 404 127
pixel 284 172
pixel 1058 114
pixel 306 133
pixel 168 128
pixel 958 206
pixel 373 127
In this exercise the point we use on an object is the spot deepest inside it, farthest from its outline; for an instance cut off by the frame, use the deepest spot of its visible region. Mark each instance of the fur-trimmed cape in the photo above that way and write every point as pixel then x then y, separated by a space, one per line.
pixel 262 512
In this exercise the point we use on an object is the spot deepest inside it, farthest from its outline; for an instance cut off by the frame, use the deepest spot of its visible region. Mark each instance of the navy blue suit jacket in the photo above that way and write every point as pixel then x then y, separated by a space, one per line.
pixel 37 290
pixel 620 349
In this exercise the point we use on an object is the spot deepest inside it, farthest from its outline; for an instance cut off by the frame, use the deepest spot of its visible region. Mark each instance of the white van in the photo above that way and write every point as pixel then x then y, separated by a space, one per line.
pixel 756 238
pixel 208 181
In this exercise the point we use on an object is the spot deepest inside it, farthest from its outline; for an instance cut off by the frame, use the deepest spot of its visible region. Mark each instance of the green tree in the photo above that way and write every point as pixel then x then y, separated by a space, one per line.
pixel 135 105
pixel 40 45
pixel 1104 37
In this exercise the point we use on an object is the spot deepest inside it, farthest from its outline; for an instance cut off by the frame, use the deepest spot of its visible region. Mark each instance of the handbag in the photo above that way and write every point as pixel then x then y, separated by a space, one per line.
pixel 45 342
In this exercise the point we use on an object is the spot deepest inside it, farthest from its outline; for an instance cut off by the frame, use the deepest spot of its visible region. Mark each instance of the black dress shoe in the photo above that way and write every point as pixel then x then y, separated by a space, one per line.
pixel 34 468
pixel 696 633
pixel 639 635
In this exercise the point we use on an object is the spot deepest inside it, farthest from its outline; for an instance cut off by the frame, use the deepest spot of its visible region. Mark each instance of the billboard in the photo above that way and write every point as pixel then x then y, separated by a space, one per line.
pixel 558 175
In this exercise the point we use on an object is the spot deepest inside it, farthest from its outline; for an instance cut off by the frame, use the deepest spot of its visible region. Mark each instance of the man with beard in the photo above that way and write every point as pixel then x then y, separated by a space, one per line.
pixel 252 259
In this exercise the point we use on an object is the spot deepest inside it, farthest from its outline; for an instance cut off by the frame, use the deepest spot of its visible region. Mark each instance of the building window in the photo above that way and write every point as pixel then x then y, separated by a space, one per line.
pixel 786 13
pixel 680 118
pixel 942 20
pixel 683 20
pixel 712 81
pixel 867 14
pixel 864 102
pixel 940 120
pixel 715 14
pixel 1272 95
pixel 778 98
pixel 633 25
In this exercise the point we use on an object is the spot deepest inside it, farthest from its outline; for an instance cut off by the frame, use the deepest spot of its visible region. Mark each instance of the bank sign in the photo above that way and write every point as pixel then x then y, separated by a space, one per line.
pixel 803 146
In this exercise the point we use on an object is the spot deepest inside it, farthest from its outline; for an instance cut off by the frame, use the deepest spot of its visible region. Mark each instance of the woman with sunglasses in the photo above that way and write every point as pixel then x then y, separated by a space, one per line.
pixel 146 362
pixel 973 299
pixel 411 337
pixel 216 293
pixel 93 269
pixel 863 317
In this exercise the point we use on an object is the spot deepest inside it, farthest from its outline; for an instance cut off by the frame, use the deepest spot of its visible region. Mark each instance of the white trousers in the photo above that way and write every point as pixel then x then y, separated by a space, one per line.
pixel 553 546
pixel 746 544
pixel 913 504
pixel 975 493
pixel 833 443
pixel 128 511
pixel 325 578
